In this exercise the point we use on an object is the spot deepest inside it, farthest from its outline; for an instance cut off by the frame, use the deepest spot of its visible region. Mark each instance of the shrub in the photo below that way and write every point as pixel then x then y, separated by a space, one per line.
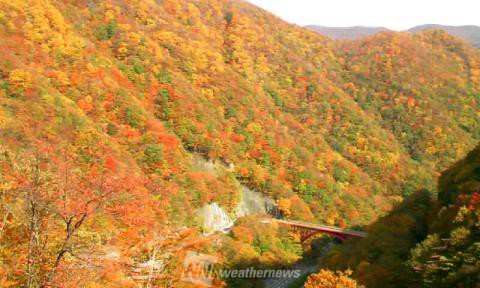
pixel 106 31
pixel 153 154
pixel 164 77
pixel 135 117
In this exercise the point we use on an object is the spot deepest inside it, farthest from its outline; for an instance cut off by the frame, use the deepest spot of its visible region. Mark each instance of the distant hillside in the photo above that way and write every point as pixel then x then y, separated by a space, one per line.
pixel 346 32
pixel 468 33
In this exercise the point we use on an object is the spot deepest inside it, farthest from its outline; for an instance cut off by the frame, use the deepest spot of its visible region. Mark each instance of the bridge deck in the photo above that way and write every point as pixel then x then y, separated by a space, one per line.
pixel 325 228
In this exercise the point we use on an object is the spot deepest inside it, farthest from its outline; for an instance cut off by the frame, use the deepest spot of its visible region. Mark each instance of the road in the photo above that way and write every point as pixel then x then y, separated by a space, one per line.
pixel 305 269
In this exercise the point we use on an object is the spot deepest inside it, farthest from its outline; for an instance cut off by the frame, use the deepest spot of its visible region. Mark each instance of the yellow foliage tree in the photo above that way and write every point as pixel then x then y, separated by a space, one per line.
pixel 330 279
pixel 20 79
pixel 284 205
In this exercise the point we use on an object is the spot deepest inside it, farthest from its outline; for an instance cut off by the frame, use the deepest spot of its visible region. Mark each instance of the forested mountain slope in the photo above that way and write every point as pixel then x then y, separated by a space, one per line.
pixel 101 103
pixel 424 242
pixel 469 33
pixel 422 87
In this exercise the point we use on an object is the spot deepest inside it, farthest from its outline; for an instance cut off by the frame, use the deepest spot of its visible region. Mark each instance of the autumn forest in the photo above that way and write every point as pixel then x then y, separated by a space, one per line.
pixel 120 120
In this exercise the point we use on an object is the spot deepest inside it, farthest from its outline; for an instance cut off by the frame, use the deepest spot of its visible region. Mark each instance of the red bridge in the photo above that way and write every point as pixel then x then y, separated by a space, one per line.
pixel 308 230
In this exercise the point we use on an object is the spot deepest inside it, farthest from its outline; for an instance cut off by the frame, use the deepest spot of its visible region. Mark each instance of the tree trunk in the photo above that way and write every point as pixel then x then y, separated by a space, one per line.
pixel 152 268
pixel 33 244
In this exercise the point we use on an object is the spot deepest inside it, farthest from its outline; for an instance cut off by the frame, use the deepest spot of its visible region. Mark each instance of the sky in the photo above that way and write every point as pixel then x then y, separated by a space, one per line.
pixel 395 15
